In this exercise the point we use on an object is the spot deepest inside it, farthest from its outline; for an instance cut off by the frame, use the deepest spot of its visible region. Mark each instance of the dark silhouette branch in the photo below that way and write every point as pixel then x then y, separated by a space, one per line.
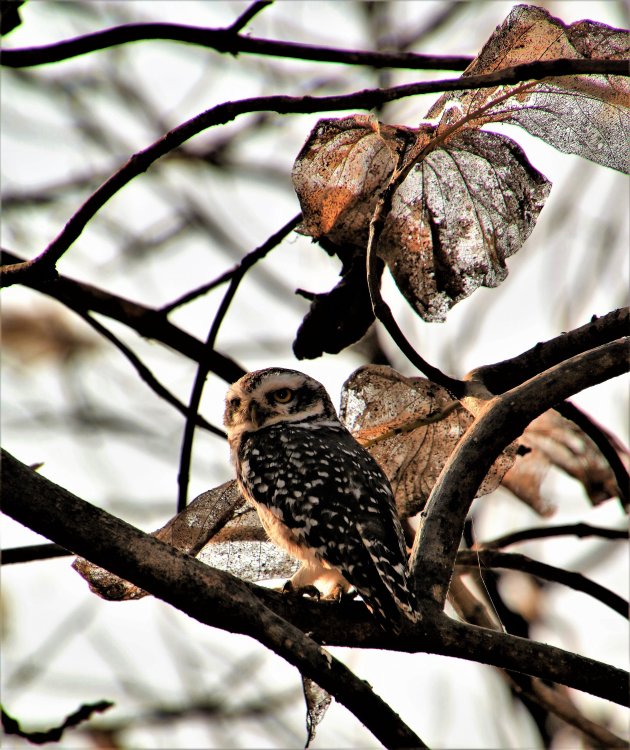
pixel 247 15
pixel 146 321
pixel 83 713
pixel 225 41
pixel 509 373
pixel 580 530
pixel 202 370
pixel 218 599
pixel 512 561
pixel 44 264
pixel 210 596
pixel 502 420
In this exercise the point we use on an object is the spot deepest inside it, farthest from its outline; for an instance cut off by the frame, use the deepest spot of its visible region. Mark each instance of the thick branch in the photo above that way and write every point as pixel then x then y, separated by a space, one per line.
pixel 44 264
pixel 509 373
pixel 210 596
pixel 502 420
pixel 221 600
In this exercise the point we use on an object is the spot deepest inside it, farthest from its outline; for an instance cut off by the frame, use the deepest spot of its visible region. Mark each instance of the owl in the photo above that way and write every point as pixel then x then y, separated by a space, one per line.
pixel 319 494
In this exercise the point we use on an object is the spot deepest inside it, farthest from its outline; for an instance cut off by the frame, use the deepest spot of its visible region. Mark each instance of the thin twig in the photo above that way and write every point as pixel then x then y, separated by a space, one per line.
pixel 31 552
pixel 512 561
pixel 146 321
pixel 202 370
pixel 570 411
pixel 245 17
pixel 580 530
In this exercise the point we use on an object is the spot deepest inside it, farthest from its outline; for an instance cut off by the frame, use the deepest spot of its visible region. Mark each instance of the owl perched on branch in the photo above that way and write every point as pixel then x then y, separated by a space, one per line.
pixel 319 494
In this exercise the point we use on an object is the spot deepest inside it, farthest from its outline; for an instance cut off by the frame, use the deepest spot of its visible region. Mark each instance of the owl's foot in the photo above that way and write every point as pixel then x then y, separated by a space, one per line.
pixel 308 590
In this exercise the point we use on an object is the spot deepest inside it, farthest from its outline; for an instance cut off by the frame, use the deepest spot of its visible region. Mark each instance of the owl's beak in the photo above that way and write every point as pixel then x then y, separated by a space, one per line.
pixel 255 414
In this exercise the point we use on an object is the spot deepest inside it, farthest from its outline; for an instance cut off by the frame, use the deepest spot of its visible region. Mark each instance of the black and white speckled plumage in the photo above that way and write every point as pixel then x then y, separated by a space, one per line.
pixel 319 494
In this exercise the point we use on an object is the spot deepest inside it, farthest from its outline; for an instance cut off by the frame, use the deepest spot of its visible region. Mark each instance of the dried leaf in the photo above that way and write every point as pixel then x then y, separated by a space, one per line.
pixel 456 218
pixel 338 175
pixel 317 702
pixel 378 402
pixel 243 549
pixel 556 441
pixel 584 115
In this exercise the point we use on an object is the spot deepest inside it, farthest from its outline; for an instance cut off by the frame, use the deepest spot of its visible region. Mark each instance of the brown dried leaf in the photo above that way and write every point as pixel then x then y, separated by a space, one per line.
pixel 584 115
pixel 379 403
pixel 556 441
pixel 317 702
pixel 457 216
pixel 339 174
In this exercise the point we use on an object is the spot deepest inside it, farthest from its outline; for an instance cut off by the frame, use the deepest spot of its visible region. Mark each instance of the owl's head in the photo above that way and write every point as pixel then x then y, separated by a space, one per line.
pixel 274 395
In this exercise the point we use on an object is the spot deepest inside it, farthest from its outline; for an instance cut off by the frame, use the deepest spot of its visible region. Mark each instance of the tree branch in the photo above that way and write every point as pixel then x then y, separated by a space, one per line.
pixel 149 378
pixel 502 420
pixel 509 373
pixel 218 599
pixel 225 41
pixel 210 596
pixel 545 532
pixel 512 561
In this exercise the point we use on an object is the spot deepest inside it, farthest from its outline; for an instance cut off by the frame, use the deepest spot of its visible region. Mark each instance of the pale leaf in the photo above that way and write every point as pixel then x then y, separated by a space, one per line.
pixel 456 218
pixel 556 441
pixel 587 115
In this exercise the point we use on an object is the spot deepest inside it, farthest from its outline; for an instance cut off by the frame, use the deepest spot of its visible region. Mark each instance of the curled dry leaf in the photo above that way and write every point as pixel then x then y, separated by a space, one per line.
pixel 584 115
pixel 317 702
pixel 188 531
pixel 556 441
pixel 410 426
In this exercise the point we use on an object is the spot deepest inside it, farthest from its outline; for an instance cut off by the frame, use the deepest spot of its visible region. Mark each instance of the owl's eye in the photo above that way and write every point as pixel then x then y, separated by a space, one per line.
pixel 283 395
pixel 235 402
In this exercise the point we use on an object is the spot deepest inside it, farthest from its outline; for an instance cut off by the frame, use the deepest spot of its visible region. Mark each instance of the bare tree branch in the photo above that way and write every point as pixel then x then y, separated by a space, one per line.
pixel 202 370
pixel 149 378
pixel 545 532
pixel 226 41
pixel 218 599
pixel 43 266
pixel 512 561
pixel 503 419
pixel 83 713
pixel 146 321
pixel 245 17
pixel 211 596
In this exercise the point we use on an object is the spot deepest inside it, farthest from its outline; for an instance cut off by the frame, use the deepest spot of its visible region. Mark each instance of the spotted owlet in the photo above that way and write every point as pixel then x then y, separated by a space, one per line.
pixel 319 494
